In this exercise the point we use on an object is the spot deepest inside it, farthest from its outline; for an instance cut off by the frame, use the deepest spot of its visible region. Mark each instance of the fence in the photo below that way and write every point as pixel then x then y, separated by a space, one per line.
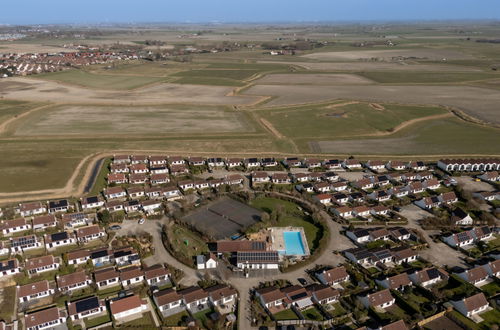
pixel 431 318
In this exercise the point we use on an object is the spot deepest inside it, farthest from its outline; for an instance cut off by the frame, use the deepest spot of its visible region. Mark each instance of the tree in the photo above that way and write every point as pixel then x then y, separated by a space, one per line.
pixel 104 217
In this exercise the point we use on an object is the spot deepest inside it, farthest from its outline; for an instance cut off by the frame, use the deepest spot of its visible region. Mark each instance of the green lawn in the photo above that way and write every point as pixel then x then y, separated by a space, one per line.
pixel 100 181
pixel 292 217
pixel 7 303
pixel 338 310
pixel 312 313
pixel 491 289
pixel 490 318
pixel 203 316
pixel 100 81
pixel 109 291
pixel 92 322
pixel 176 319
pixel 286 314
pixel 185 243
pixel 466 321
pixel 146 322
pixel 426 77
pixel 495 243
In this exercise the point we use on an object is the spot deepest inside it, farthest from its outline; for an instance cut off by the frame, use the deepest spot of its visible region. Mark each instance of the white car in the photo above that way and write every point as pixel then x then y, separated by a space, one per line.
pixel 142 221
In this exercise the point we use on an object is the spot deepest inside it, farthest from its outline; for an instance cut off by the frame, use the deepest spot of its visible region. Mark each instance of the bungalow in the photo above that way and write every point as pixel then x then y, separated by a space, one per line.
pixel 196 161
pixel 364 184
pixel 135 192
pixel 428 203
pixel 397 177
pixel 351 164
pixel 139 168
pixel 416 166
pixel 493 268
pixel 381 299
pixel 159 179
pixel 476 276
pixel 459 239
pixel 90 233
pixel 114 206
pixel 171 193
pixel 119 169
pixel 331 177
pixel 395 165
pixel 315 176
pixel 486 195
pixel 396 282
pixel 23 243
pixel 49 318
pixel 132 206
pixel 159 169
pixel 426 175
pixel 415 187
pixel 216 183
pixel 177 170
pixel 168 301
pixel 138 178
pixel 359 235
pixel 410 176
pixel 114 193
pixel 44 221
pixel 128 307
pixel 312 163
pixel 221 295
pixel 292 162
pixel 404 254
pixel 9 267
pixel 325 199
pixel 126 256
pixel 400 233
pixel 117 178
pixel 379 234
pixel 59 239
pixel 201 184
pixel 86 307
pixel 271 298
pixel 428 276
pixel 359 255
pixel 61 205
pixel 121 159
pixel 215 162
pixel 156 274
pixel 14 226
pixel 471 305
pixel 460 218
pixel 151 206
pixel 297 296
pixel 153 192
pixel 257 259
pixel 490 176
pixel 380 195
pixel 106 278
pixel 233 162
pixel 343 211
pixel 280 178
pixel 380 210
pixel 131 276
pixel 78 257
pixel 92 202
pixel 481 233
pixel 432 184
pixel 361 211
pixel 323 294
pixel 268 162
pixel 73 281
pixel 186 185
pixel 138 159
pixel 100 256
pixel 398 192
pixel 234 179
pixel 381 180
pixel 206 261
pixel 305 187
pixel 157 160
pixel 332 164
pixel 252 163
pixel 333 276
pixel 301 177
pixel 176 160
pixel 461 165
pixel 448 198
pixel 33 291
pixel 195 298
pixel 30 209
pixel 260 177
pixel 382 255
pixel 356 197
pixel 375 165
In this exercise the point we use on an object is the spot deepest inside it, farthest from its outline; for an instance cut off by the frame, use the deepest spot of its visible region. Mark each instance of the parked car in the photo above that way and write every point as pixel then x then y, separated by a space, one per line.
pixel 115 227
pixel 142 221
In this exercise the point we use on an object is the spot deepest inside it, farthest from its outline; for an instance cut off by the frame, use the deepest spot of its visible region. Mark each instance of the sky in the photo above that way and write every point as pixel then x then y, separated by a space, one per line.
pixel 233 11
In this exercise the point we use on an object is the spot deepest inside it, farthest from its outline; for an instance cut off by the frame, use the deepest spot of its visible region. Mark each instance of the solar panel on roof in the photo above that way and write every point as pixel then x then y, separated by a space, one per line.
pixel 87 304
pixel 59 236
pixel 92 199
pixel 24 241
pixel 433 273
pixel 99 254
pixel 300 295
pixel 6 266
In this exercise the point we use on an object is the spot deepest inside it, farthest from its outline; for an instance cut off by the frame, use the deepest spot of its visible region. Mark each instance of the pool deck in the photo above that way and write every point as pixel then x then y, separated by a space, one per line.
pixel 278 241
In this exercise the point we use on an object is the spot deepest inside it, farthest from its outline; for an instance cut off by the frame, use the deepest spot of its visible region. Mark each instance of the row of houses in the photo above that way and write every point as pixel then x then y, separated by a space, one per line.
pixel 468 237
pixel 469 165
pixel 365 235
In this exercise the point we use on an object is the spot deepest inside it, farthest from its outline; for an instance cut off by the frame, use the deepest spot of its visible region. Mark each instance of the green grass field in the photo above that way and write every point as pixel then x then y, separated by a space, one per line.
pixel 10 109
pixel 100 81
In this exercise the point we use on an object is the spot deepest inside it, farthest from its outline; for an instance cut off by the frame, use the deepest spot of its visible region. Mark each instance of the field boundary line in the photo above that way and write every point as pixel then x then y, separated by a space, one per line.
pixel 8 122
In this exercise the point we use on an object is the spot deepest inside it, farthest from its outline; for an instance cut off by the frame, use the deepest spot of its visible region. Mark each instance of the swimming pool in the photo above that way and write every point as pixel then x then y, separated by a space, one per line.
pixel 293 243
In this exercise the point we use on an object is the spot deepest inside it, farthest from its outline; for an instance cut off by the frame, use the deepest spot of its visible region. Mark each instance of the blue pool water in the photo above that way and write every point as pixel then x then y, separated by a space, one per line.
pixel 293 243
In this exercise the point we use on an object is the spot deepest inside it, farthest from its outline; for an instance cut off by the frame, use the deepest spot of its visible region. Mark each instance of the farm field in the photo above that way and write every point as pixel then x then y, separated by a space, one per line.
pixel 428 77
pixel 421 53
pixel 109 120
pixel 314 79
pixel 11 109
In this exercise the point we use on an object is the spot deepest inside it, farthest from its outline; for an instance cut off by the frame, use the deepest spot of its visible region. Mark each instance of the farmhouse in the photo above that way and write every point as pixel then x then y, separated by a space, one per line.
pixel 127 308
pixel 86 307
pixel 33 291
pixel 14 226
pixel 471 305
pixel 49 318
pixel 73 281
